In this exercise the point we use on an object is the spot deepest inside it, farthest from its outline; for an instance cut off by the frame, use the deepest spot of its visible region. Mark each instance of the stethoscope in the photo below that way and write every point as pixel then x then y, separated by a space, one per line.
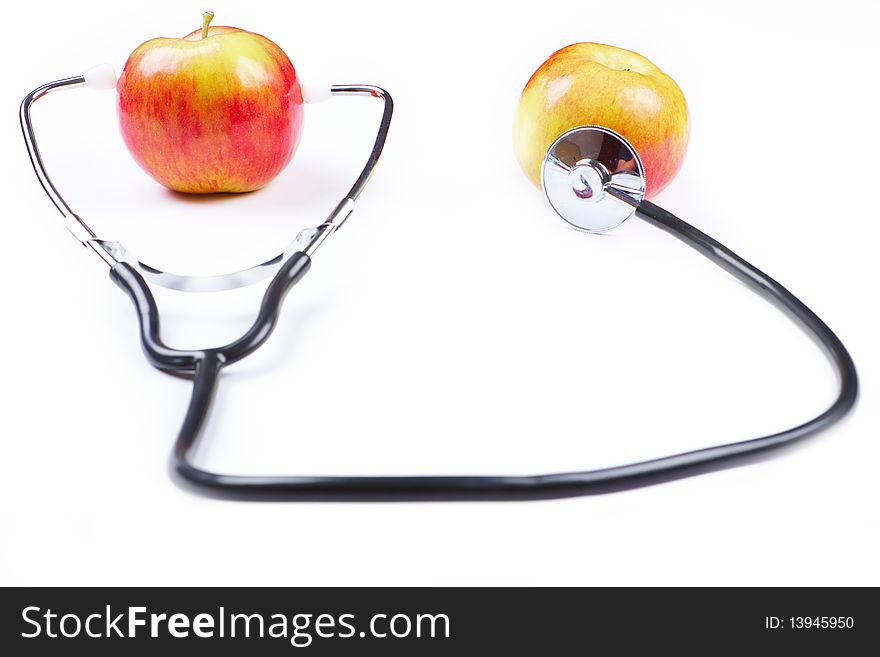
pixel 592 177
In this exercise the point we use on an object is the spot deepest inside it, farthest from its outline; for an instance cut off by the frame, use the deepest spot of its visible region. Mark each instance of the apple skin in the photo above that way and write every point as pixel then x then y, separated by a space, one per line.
pixel 216 114
pixel 595 84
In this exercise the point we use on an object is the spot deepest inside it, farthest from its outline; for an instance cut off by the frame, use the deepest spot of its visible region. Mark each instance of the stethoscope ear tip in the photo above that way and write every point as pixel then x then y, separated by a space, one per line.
pixel 100 77
pixel 593 178
pixel 315 90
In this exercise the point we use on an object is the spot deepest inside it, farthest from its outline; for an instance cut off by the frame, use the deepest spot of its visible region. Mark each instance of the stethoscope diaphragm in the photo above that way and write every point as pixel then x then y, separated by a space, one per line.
pixel 593 178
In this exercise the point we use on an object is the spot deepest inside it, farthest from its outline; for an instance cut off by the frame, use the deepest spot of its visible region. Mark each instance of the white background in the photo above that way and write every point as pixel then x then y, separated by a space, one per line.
pixel 455 325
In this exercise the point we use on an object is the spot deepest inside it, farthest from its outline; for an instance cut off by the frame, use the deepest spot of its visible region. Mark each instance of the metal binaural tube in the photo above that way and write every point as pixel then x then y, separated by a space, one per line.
pixel 346 206
pixel 72 222
pixel 384 125
pixel 30 140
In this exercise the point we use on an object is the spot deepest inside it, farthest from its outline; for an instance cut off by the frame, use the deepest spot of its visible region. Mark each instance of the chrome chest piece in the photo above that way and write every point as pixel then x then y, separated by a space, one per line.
pixel 593 178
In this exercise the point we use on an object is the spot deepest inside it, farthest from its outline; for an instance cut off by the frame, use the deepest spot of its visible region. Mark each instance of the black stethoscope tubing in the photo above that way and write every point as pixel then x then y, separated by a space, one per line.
pixel 206 365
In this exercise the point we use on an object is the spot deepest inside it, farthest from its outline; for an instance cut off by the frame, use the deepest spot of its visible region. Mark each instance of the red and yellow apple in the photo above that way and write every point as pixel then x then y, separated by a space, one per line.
pixel 219 110
pixel 595 84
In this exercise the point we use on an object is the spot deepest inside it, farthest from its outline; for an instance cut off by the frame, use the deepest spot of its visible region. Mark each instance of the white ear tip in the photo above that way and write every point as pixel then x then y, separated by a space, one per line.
pixel 315 91
pixel 101 76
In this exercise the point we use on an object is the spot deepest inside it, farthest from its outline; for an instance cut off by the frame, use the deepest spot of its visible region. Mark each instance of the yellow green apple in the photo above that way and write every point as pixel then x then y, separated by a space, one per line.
pixel 219 110
pixel 595 84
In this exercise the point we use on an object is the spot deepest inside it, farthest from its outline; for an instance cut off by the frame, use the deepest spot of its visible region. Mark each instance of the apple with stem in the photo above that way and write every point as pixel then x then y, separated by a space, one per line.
pixel 219 110
pixel 595 84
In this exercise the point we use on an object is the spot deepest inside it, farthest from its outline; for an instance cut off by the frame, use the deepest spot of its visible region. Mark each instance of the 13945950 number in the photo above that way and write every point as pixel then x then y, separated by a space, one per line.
pixel 821 622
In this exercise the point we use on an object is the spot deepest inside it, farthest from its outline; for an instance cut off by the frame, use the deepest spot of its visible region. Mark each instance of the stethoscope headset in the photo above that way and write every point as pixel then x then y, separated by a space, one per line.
pixel 592 177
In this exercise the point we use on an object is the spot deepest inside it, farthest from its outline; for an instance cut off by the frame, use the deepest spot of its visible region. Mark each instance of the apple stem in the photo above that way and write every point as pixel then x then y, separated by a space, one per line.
pixel 207 17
